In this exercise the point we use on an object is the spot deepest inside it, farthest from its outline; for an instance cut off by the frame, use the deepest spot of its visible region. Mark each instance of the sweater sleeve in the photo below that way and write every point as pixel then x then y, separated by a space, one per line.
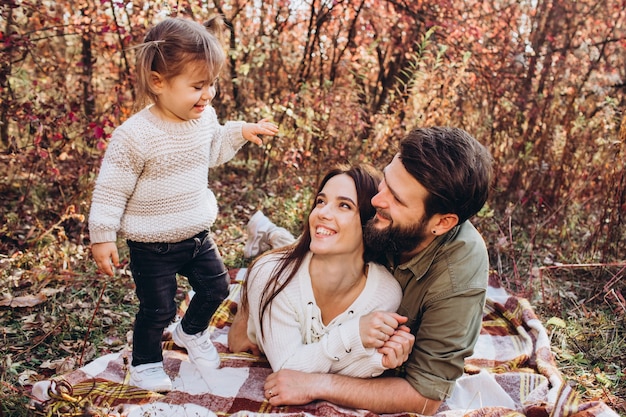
pixel 283 343
pixel 120 169
pixel 227 140
pixel 382 293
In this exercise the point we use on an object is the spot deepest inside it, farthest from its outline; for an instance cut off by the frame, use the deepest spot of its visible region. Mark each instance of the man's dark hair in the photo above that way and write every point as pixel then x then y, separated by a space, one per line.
pixel 453 166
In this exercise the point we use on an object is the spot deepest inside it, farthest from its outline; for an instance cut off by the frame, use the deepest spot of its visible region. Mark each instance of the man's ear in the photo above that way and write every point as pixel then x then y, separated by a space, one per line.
pixel 444 222
pixel 156 82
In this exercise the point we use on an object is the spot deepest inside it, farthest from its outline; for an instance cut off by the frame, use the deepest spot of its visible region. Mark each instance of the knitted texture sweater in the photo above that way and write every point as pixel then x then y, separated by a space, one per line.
pixel 153 182
pixel 294 336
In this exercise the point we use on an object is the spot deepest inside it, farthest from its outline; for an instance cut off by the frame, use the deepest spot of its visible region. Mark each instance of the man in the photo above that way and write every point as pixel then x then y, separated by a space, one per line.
pixel 438 180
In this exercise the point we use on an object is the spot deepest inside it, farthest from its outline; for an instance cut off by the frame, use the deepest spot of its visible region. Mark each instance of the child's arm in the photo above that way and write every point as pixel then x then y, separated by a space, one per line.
pixel 106 256
pixel 263 127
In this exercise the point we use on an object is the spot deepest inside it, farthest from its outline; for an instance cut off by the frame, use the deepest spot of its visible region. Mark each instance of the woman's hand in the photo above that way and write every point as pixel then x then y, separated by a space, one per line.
pixel 377 327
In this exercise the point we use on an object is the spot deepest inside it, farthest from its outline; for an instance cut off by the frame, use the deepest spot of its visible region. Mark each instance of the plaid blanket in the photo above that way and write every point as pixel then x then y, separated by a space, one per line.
pixel 512 372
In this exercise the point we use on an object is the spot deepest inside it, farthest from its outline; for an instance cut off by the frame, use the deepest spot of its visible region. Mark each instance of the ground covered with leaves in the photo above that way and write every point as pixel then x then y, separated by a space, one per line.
pixel 57 313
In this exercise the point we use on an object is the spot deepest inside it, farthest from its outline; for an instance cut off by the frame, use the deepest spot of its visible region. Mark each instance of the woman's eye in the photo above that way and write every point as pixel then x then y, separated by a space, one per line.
pixel 319 201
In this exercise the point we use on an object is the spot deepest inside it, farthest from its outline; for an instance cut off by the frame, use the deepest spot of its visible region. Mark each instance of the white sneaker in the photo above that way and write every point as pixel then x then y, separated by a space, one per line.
pixel 200 349
pixel 151 377
pixel 259 228
pixel 280 237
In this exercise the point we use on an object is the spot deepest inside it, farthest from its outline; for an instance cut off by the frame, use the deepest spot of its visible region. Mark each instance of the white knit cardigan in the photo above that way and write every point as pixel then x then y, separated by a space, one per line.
pixel 294 337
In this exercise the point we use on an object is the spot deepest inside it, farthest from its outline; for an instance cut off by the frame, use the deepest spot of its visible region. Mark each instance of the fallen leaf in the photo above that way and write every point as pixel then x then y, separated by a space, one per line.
pixel 60 366
pixel 51 291
pixel 28 377
pixel 113 341
pixel 7 330
pixel 23 300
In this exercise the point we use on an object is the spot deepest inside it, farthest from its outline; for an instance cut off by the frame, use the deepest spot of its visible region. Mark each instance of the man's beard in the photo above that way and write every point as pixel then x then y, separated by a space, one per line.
pixel 394 239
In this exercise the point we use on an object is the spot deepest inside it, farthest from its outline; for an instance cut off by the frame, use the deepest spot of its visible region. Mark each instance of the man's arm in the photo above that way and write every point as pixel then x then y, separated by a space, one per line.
pixel 379 395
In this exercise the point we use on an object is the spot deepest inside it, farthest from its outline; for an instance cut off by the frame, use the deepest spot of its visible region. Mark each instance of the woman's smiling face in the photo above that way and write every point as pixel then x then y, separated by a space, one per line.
pixel 335 222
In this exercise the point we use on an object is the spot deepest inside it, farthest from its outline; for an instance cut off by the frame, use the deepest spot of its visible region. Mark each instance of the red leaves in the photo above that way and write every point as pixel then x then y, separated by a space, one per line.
pixel 98 132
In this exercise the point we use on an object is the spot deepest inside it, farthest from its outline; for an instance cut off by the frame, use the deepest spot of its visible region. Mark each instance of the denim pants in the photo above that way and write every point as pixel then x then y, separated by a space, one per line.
pixel 154 267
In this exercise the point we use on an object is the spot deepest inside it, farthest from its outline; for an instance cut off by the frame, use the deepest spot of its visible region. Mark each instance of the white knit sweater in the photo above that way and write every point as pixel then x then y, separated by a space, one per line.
pixel 153 182
pixel 295 337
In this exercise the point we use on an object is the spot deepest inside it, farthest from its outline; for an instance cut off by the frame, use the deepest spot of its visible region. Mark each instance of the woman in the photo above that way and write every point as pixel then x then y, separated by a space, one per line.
pixel 305 300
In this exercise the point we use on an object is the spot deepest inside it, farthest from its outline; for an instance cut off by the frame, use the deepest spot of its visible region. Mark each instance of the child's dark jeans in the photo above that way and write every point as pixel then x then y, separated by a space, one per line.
pixel 154 267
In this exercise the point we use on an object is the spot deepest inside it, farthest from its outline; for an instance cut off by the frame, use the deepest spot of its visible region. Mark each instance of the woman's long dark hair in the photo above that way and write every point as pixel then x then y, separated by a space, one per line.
pixel 366 179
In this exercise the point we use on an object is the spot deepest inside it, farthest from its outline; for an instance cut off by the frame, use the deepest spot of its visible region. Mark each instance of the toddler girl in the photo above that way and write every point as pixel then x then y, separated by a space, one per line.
pixel 153 190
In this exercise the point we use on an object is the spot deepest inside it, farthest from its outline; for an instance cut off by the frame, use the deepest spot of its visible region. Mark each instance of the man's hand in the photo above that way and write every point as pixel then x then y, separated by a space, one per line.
pixel 250 131
pixel 396 350
pixel 106 256
pixel 379 395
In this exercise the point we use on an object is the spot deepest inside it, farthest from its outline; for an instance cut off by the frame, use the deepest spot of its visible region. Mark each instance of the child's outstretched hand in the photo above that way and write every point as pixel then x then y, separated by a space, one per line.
pixel 251 131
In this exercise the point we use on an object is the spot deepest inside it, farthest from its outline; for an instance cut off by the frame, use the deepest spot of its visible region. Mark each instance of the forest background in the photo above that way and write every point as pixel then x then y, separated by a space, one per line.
pixel 542 83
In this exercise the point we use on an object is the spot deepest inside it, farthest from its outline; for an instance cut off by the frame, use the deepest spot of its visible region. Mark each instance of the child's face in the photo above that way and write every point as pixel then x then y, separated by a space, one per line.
pixel 185 96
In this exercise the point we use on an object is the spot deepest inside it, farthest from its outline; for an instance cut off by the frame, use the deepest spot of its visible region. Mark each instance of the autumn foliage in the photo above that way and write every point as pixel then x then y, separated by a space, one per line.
pixel 542 84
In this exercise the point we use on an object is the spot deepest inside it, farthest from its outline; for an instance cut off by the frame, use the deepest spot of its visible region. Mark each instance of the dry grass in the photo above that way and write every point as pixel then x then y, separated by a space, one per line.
pixel 585 314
